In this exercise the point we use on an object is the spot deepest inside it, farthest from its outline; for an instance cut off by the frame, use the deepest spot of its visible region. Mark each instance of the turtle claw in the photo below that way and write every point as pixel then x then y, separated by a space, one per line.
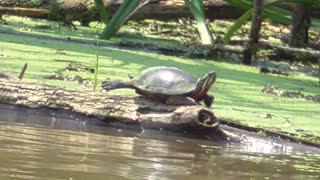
pixel 115 84
pixel 109 84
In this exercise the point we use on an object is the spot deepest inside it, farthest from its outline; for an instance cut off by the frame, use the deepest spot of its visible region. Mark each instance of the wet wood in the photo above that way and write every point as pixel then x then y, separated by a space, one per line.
pixel 115 109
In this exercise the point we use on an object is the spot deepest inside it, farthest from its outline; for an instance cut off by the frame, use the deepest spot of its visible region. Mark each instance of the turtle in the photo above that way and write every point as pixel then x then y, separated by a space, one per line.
pixel 168 85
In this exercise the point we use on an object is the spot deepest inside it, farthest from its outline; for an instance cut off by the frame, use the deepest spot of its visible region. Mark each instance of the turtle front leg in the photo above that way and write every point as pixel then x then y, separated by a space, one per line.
pixel 180 100
pixel 115 84
pixel 208 100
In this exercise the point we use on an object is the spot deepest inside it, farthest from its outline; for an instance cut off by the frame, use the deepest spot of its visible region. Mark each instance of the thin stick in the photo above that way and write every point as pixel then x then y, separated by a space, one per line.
pixel 96 68
pixel 23 71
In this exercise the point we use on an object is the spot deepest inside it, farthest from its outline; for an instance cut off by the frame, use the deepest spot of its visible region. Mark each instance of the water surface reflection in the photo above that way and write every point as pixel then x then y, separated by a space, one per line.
pixel 60 148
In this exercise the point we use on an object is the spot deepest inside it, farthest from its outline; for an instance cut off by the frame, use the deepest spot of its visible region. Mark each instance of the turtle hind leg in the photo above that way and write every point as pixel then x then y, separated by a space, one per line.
pixel 180 100
pixel 115 84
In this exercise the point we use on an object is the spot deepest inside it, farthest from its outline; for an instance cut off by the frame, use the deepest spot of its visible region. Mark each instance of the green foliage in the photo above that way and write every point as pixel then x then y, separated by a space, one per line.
pixel 272 12
pixel 237 24
pixel 319 71
pixel 102 11
pixel 96 70
pixel 197 10
pixel 129 6
pixel 121 15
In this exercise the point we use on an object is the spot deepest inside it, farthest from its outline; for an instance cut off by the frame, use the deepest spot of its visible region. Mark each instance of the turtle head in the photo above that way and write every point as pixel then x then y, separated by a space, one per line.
pixel 204 85
pixel 206 81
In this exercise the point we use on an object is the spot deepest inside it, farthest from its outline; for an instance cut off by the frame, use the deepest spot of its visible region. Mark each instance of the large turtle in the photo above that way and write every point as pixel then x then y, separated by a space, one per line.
pixel 169 85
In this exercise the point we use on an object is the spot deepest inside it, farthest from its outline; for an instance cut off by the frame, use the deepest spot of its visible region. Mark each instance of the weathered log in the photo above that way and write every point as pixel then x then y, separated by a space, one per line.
pixel 83 9
pixel 135 111
pixel 291 53
pixel 158 9
pixel 29 12
pixel 279 52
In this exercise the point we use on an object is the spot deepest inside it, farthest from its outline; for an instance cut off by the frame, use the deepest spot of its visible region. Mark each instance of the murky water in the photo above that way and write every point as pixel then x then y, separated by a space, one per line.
pixel 35 146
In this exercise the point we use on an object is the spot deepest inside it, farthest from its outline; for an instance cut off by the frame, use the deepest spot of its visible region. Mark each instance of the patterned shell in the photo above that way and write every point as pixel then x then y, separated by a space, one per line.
pixel 165 80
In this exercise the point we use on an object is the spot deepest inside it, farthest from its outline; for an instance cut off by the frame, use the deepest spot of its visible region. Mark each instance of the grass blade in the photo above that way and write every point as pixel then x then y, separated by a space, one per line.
pixel 119 18
pixel 102 11
pixel 237 24
pixel 197 10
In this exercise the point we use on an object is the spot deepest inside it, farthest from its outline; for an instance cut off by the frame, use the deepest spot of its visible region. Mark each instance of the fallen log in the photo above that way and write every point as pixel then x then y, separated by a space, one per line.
pixel 279 52
pixel 85 11
pixel 115 110
pixel 295 54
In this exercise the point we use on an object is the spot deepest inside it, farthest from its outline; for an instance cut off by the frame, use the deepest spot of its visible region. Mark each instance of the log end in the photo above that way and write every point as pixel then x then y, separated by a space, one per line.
pixel 195 116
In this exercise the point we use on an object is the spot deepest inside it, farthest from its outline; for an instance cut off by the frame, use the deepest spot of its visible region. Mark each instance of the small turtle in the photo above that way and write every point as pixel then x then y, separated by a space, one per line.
pixel 169 85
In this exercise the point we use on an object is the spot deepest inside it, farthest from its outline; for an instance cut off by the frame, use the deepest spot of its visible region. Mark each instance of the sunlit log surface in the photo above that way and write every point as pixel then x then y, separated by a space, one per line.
pixel 116 110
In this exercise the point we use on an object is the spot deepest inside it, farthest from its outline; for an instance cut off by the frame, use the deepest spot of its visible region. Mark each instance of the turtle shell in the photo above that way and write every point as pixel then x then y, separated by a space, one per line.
pixel 165 80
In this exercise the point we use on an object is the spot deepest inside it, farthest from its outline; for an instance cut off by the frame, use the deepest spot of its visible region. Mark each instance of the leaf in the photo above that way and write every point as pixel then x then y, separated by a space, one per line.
pixel 102 11
pixel 121 15
pixel 237 24
pixel 197 10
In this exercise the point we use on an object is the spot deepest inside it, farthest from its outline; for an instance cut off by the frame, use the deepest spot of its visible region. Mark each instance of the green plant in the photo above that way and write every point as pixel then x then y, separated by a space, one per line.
pixel 96 70
pixel 237 24
pixel 121 15
pixel 319 72
pixel 197 10
pixel 102 11
pixel 274 13
pixel 128 7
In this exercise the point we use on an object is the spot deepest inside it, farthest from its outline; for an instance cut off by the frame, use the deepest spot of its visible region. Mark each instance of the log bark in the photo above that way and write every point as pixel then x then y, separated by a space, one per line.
pixel 81 10
pixel 290 53
pixel 115 110
pixel 161 9
pixel 279 52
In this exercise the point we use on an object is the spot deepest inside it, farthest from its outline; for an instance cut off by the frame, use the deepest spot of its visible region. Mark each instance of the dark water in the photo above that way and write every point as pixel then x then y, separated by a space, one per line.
pixel 36 146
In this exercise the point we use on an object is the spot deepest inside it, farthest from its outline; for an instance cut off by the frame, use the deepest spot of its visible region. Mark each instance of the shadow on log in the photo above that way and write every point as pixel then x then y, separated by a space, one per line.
pixel 117 110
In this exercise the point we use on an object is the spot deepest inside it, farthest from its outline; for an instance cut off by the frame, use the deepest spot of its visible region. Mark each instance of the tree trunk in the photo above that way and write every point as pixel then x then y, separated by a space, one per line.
pixel 301 25
pixel 114 110
pixel 252 46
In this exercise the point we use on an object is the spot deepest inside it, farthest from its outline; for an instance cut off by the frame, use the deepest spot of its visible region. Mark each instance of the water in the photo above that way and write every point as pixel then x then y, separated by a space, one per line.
pixel 37 146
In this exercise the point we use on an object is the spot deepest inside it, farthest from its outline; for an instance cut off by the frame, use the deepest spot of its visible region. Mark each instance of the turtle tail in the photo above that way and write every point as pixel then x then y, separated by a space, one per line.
pixel 116 84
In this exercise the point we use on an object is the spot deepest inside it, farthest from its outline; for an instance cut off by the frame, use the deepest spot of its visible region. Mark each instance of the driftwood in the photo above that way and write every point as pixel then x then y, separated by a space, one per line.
pixel 162 9
pixel 85 11
pixel 291 53
pixel 119 110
